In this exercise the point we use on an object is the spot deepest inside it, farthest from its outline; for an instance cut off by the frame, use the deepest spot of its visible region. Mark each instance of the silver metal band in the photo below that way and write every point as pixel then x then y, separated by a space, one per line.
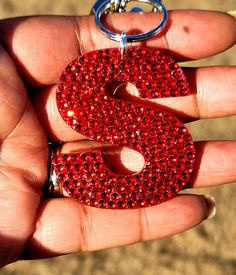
pixel 111 6
pixel 51 188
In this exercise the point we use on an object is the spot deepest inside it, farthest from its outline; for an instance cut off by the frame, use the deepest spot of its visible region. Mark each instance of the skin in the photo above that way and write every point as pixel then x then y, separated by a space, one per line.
pixel 33 53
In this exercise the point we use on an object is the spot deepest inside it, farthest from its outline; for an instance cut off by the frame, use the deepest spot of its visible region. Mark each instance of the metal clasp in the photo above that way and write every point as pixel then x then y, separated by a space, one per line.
pixel 113 6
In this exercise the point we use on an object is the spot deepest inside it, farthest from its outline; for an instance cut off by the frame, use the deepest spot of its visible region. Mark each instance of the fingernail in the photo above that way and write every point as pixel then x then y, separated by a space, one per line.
pixel 232 13
pixel 210 205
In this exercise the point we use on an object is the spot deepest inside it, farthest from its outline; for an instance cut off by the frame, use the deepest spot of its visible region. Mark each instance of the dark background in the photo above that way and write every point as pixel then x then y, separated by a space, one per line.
pixel 209 249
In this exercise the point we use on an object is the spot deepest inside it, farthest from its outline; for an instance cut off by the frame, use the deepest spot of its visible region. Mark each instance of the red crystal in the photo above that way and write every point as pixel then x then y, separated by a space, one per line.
pixel 164 142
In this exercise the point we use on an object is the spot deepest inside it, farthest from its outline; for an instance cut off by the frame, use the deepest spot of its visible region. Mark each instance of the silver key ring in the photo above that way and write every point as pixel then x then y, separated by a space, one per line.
pixel 111 6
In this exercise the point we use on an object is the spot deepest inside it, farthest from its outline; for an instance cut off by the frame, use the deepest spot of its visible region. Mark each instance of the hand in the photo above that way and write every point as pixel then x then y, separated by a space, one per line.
pixel 35 51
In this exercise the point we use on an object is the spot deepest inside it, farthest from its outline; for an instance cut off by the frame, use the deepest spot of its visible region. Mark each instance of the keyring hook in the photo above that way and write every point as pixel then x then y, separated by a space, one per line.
pixel 112 6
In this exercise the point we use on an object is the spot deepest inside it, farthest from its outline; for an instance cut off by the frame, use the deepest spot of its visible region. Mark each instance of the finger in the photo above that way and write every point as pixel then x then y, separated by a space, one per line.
pixel 43 46
pixel 212 95
pixel 215 160
pixel 64 226
pixel 216 163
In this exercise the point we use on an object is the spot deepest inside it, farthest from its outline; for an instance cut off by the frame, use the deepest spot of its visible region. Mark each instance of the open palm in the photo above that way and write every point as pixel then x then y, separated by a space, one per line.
pixel 33 54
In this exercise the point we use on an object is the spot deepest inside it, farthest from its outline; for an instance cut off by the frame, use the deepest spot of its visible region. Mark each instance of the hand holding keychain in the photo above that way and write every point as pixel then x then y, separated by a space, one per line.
pixel 35 50
pixel 85 105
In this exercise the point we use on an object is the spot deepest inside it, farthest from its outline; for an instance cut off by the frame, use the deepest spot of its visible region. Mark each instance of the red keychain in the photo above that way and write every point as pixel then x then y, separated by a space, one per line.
pixel 87 107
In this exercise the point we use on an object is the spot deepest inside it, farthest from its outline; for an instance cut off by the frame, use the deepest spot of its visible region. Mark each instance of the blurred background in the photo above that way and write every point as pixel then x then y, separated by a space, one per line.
pixel 208 249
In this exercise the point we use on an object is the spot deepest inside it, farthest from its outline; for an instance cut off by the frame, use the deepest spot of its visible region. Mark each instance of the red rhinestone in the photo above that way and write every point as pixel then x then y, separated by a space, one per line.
pixel 164 142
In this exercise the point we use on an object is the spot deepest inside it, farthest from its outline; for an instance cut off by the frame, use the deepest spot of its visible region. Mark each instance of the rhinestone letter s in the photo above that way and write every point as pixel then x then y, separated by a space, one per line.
pixel 164 142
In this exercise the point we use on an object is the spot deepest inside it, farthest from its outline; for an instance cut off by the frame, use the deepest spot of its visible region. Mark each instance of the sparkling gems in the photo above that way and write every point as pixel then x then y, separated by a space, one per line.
pixel 164 142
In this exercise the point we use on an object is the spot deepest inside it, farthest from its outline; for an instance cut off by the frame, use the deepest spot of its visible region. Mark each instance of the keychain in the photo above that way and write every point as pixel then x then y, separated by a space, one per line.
pixel 84 104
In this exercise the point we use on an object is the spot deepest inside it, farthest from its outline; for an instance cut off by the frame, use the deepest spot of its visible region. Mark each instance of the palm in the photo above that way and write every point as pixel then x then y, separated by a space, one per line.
pixel 23 163
pixel 39 228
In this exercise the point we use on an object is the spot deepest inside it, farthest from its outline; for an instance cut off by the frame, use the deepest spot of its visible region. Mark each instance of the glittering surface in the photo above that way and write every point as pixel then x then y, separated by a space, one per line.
pixel 164 142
